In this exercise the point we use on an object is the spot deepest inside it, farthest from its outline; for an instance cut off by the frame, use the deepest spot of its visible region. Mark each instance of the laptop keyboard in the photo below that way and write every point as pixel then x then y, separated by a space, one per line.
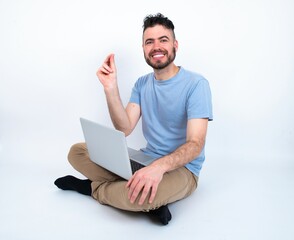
pixel 136 166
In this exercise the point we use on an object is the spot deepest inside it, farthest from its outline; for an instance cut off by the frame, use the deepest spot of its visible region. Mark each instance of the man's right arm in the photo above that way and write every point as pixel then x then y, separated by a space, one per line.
pixel 123 119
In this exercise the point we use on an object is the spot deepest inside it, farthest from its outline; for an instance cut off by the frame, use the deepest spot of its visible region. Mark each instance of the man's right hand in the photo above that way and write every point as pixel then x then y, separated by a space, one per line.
pixel 107 73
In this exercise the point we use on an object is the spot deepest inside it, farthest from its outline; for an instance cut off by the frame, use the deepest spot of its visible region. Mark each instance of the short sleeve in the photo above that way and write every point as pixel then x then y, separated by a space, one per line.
pixel 200 102
pixel 135 95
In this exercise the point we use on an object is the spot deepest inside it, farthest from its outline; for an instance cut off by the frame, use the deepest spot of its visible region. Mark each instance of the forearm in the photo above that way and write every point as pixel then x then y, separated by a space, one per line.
pixel 117 111
pixel 181 156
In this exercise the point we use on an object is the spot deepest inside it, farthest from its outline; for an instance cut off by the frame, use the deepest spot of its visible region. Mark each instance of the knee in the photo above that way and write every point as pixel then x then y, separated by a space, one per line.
pixel 76 151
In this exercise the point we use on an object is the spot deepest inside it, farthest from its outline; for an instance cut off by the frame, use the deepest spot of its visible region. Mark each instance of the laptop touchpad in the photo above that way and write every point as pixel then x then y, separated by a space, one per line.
pixel 143 158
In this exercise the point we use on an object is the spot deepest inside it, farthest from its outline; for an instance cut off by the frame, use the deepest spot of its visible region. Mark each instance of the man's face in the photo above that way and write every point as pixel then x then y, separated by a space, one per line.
pixel 159 46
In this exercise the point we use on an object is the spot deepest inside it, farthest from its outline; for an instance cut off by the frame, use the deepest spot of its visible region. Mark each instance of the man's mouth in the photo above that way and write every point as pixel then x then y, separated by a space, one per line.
pixel 157 55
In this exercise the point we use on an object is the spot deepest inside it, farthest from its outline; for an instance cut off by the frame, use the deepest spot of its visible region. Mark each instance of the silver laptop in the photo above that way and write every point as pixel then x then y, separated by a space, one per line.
pixel 108 148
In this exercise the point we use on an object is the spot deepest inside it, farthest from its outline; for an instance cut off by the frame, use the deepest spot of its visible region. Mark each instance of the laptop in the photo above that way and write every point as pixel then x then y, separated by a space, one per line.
pixel 108 148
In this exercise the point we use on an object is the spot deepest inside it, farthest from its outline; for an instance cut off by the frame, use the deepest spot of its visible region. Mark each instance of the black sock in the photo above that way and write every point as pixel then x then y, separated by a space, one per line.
pixel 75 184
pixel 162 214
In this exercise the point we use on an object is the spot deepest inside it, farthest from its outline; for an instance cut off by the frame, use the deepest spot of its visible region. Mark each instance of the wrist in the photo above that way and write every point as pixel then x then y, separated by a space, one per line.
pixel 111 90
pixel 162 164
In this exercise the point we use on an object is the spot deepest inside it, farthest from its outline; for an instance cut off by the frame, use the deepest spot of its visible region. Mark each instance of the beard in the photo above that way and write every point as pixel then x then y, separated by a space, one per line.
pixel 160 65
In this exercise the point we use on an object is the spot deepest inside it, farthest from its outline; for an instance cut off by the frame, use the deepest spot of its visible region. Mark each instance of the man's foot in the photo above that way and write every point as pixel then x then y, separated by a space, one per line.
pixel 162 214
pixel 72 183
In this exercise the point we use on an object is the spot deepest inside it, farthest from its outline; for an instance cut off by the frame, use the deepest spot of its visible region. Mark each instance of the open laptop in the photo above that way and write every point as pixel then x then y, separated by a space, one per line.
pixel 108 148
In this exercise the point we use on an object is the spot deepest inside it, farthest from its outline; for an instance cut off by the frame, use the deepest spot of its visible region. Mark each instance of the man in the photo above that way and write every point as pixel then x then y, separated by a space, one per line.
pixel 175 106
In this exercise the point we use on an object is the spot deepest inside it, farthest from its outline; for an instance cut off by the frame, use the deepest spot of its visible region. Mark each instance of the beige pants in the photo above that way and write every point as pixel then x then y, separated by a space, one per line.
pixel 110 189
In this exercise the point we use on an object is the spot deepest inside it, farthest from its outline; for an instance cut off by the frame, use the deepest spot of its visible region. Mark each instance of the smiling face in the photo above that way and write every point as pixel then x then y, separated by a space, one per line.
pixel 159 46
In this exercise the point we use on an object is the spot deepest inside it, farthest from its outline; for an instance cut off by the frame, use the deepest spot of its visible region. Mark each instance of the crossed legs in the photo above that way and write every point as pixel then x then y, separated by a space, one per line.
pixel 109 189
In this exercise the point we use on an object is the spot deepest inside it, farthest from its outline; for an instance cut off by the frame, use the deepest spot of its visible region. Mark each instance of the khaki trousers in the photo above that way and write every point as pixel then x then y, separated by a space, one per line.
pixel 110 189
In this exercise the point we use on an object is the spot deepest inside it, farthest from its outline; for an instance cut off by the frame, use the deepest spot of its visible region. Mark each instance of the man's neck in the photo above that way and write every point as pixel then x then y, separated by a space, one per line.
pixel 166 73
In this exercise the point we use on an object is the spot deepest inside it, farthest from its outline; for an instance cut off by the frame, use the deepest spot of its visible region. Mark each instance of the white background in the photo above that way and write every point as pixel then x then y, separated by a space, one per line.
pixel 50 51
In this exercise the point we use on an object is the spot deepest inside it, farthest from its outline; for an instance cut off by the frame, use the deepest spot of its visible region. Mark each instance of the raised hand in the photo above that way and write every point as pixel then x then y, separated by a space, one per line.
pixel 107 73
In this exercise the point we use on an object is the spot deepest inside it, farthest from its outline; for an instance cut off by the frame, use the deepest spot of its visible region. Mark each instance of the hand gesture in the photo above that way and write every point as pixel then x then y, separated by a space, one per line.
pixel 107 73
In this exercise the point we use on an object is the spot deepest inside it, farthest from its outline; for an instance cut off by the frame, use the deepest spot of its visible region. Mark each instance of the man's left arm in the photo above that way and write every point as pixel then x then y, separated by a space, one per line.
pixel 148 178
pixel 196 134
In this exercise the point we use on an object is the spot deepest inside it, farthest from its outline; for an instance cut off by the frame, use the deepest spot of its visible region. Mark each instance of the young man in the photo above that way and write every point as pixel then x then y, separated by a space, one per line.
pixel 175 106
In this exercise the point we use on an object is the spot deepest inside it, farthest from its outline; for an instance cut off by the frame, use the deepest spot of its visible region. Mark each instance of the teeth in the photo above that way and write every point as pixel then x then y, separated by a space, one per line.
pixel 158 55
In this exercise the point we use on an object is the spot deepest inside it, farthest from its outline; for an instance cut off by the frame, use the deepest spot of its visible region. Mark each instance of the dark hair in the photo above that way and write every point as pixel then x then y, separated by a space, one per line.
pixel 158 19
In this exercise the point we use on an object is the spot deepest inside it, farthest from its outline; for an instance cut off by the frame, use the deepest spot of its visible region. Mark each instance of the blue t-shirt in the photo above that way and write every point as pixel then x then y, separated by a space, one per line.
pixel 166 106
